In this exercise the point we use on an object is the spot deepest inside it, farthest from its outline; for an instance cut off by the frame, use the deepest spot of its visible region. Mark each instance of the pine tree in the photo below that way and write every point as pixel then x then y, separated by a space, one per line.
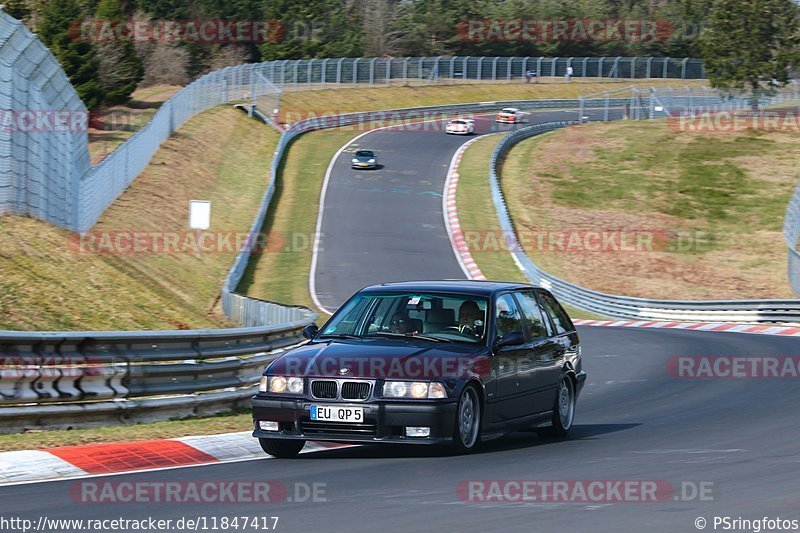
pixel 76 55
pixel 18 9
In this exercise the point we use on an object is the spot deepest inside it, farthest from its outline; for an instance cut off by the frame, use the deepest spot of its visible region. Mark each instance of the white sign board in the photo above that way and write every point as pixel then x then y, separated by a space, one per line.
pixel 199 214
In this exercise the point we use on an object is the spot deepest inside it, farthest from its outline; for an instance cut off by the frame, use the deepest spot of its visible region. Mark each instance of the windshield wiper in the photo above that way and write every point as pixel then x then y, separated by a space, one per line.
pixel 340 336
pixel 409 335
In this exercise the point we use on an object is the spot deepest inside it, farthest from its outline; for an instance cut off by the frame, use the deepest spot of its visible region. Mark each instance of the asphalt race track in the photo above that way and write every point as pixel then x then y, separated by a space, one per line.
pixel 387 224
pixel 635 421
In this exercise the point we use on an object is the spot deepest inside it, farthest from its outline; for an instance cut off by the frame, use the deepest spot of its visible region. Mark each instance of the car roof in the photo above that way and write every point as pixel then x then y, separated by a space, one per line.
pixel 461 286
pixel 510 109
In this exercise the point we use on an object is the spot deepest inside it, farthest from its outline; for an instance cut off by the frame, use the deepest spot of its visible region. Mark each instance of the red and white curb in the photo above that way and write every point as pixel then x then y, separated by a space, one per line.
pixel 451 222
pixel 69 462
pixel 786 331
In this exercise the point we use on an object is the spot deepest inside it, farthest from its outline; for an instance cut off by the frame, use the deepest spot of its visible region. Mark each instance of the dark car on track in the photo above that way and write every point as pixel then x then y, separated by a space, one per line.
pixel 439 362
pixel 364 159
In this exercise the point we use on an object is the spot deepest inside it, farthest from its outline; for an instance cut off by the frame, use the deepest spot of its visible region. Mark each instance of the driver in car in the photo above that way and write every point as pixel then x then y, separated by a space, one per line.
pixel 470 318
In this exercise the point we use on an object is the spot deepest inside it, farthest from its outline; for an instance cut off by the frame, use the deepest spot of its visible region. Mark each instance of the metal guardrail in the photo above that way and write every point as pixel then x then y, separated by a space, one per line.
pixel 63 379
pixel 746 311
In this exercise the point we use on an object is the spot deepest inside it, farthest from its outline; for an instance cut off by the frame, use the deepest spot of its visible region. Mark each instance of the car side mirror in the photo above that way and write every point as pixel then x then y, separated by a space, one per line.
pixel 512 338
pixel 310 331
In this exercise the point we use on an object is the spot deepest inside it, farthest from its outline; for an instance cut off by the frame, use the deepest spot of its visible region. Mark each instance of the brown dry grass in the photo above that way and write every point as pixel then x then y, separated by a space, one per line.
pixel 221 156
pixel 726 193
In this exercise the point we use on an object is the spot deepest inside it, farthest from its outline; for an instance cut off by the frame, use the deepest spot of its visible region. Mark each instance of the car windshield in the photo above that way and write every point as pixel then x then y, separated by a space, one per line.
pixel 435 316
pixel 509 110
pixel 364 153
pixel 460 122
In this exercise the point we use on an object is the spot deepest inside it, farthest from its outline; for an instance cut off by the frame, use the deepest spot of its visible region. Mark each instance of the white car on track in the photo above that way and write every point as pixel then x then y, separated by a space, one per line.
pixel 460 126
pixel 509 115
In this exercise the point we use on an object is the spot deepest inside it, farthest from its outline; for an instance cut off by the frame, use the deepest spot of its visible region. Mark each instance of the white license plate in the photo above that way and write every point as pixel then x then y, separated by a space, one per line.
pixel 333 413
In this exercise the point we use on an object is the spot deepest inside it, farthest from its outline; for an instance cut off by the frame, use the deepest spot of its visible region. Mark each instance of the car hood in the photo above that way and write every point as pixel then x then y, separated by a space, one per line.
pixel 382 358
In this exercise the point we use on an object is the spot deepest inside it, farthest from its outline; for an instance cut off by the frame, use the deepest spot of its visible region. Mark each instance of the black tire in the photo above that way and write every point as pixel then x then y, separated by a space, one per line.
pixel 469 407
pixel 563 409
pixel 282 449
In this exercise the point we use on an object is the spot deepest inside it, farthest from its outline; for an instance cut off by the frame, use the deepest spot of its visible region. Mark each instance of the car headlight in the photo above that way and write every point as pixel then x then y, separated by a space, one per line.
pixel 414 389
pixel 282 385
pixel 371 161
pixel 355 160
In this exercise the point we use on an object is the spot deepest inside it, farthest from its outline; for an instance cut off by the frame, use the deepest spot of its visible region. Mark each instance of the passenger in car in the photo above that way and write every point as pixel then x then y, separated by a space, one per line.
pixel 401 323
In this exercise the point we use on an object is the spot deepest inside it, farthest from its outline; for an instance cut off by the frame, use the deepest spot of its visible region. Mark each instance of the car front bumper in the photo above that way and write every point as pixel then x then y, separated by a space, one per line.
pixel 384 422
pixel 365 165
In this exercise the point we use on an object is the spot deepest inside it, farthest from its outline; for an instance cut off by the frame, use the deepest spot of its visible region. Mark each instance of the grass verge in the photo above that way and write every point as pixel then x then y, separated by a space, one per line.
pixel 477 216
pixel 282 271
pixel 120 122
pixel 375 98
pixel 51 281
pixel 710 204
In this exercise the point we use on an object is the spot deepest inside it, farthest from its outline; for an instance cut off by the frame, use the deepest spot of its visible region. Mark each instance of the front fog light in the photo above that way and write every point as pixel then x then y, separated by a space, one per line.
pixel 262 386
pixel 268 425
pixel 418 431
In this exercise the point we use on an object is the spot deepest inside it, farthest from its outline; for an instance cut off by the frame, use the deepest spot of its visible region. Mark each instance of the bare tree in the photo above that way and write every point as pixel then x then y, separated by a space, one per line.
pixel 378 16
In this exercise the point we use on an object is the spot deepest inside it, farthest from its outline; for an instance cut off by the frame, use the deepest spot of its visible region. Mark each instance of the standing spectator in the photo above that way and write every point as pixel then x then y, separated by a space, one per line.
pixel 528 76
pixel 569 73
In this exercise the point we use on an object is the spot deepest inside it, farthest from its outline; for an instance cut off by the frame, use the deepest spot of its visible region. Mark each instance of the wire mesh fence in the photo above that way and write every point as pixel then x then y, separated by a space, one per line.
pixel 325 73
